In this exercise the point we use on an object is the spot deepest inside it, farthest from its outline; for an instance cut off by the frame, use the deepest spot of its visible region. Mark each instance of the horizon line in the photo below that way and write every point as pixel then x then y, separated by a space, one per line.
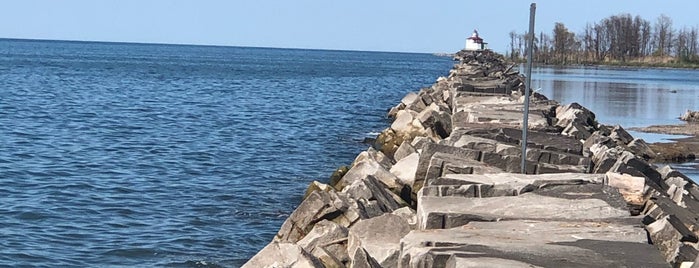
pixel 209 45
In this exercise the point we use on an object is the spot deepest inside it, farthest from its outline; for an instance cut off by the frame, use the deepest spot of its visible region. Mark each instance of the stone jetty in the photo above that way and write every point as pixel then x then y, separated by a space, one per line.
pixel 441 187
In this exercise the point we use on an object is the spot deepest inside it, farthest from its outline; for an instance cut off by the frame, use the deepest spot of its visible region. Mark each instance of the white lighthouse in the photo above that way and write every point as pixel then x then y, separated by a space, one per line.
pixel 475 42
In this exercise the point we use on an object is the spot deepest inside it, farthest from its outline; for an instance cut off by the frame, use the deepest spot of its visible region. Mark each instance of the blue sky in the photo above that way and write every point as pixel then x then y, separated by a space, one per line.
pixel 391 25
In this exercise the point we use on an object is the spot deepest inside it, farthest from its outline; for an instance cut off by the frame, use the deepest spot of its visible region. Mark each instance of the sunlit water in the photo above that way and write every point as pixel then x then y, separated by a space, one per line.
pixel 630 97
pixel 162 155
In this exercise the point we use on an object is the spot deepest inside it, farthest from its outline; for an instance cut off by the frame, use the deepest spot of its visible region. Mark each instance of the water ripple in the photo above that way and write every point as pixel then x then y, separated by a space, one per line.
pixel 180 156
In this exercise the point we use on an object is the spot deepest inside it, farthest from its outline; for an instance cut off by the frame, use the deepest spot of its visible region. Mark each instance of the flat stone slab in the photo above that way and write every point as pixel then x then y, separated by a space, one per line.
pixel 579 202
pixel 503 184
pixel 586 243
pixel 518 180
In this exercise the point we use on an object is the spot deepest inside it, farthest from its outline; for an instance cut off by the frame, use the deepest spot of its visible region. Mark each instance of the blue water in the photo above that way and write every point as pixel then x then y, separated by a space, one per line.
pixel 630 97
pixel 185 156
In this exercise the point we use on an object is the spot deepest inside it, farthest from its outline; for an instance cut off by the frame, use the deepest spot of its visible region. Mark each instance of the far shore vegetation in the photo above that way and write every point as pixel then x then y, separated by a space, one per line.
pixel 619 40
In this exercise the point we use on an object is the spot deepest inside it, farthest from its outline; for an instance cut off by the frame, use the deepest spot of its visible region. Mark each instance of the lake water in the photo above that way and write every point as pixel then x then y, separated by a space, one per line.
pixel 192 156
pixel 630 97
pixel 184 156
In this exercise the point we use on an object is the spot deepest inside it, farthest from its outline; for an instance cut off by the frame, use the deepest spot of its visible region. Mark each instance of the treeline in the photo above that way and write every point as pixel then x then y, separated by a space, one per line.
pixel 616 39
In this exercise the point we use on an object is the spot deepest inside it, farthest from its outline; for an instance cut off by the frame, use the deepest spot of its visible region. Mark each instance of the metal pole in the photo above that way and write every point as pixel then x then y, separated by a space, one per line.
pixel 525 124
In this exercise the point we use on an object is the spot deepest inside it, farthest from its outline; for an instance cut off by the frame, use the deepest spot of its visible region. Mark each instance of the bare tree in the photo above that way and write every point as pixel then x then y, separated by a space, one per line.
pixel 663 36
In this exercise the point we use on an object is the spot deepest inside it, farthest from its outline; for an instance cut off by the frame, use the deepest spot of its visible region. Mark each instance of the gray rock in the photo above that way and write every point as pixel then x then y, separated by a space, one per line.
pixel 379 237
pixel 369 167
pixel 405 169
pixel 278 254
pixel 475 143
pixel 427 152
pixel 328 240
pixel 577 130
pixel 372 198
pixel 318 206
pixel 669 235
pixel 585 243
pixel 574 113
pixel 641 148
pixel 597 138
pixel 690 116
pixel 405 149
pixel 372 154
pixel 408 214
pixel 620 135
pixel 568 204
pixel 456 261
pixel 630 187
pixel 361 259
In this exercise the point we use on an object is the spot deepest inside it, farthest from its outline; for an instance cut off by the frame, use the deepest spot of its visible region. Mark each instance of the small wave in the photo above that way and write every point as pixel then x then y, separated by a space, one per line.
pixel 132 252
pixel 193 263
pixel 31 216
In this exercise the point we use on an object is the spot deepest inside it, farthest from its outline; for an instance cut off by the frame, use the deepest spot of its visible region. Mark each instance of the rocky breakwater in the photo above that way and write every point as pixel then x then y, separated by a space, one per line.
pixel 441 188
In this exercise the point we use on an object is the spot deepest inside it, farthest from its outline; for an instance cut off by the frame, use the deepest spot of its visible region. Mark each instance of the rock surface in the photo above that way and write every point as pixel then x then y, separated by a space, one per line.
pixel 441 187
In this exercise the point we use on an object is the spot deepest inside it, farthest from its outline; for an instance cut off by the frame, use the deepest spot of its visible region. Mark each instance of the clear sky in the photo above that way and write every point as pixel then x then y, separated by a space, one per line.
pixel 377 25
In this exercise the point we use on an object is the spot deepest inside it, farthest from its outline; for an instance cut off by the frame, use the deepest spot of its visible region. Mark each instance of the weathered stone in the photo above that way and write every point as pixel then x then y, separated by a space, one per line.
pixel 585 243
pixel 328 240
pixel 631 187
pixel 372 196
pixel 620 135
pixel 316 186
pixel 690 116
pixel 435 119
pixel 328 260
pixel 574 113
pixel 361 259
pixel 409 98
pixel 278 254
pixel 369 167
pixel 405 149
pixel 335 177
pixel 428 150
pixel 457 261
pixel 318 206
pixel 629 163
pixel 545 168
pixel 668 235
pixel 597 138
pixel 641 148
pixel 604 158
pixel 668 172
pixel 449 212
pixel 408 214
pixel 476 143
pixel 372 154
pixel 379 237
pixel 405 169
pixel 577 130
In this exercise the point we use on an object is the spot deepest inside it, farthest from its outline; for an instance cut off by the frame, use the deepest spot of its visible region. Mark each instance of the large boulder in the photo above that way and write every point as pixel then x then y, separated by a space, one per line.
pixel 278 254
pixel 405 149
pixel 380 238
pixel 690 116
pixel 574 113
pixel 318 206
pixel 531 243
pixel 370 167
pixel 327 242
pixel 405 169
pixel 373 199
pixel 620 135
pixel 372 154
